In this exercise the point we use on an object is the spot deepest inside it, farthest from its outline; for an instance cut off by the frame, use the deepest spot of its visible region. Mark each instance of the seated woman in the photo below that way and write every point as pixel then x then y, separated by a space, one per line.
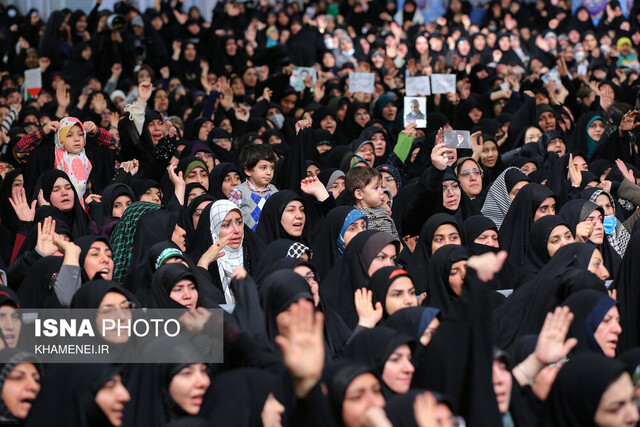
pixel 502 192
pixel 439 230
pixel 174 286
pixel 225 227
pixel 578 398
pixel 480 235
pixel 389 353
pixel 92 395
pixel 368 252
pixel 167 391
pixel 419 322
pixel 596 323
pixel 20 386
pixel 56 189
pixel 393 288
pixel 334 233
pixel 585 218
pixel 352 389
pixel 116 198
pixel 10 318
pixel 283 217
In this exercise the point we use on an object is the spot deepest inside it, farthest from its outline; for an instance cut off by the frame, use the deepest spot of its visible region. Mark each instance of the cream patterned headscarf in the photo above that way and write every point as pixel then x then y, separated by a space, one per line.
pixel 77 166
pixel 232 257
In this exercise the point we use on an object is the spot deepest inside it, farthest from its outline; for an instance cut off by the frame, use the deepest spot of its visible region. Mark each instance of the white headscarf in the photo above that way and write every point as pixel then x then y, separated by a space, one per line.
pixel 232 257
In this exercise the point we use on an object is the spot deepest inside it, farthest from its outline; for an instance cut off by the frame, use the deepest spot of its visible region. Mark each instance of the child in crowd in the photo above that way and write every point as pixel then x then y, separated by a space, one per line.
pixel 363 184
pixel 258 162
pixel 63 146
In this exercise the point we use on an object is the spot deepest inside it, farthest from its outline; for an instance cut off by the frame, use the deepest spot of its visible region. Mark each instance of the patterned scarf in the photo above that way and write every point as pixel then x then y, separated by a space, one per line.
pixel 77 166
pixel 232 258
pixel 619 239
pixel 121 241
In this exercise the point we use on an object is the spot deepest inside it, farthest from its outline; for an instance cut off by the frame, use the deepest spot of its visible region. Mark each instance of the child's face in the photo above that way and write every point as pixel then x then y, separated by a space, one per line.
pixel 75 140
pixel 372 194
pixel 625 49
pixel 261 174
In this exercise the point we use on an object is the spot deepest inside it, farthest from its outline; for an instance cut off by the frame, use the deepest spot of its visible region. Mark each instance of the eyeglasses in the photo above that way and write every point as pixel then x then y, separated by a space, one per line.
pixel 452 188
pixel 468 172
pixel 358 115
pixel 389 178
pixel 109 309
pixel 198 212
pixel 205 155
pixel 312 276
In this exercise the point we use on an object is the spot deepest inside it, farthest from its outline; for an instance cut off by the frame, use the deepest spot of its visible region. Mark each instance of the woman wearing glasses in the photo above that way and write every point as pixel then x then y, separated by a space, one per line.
pixel 470 175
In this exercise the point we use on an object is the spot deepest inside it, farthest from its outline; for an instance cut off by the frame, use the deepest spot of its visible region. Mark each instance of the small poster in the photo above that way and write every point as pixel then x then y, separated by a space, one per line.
pixel 361 82
pixel 443 83
pixel 415 111
pixel 32 83
pixel 457 139
pixel 418 86
pixel 298 76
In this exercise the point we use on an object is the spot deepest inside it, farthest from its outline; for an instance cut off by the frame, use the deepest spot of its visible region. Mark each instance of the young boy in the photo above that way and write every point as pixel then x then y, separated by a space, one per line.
pixel 363 184
pixel 258 162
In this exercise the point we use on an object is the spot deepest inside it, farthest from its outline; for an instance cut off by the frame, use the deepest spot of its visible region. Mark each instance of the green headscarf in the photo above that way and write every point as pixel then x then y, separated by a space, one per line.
pixel 122 237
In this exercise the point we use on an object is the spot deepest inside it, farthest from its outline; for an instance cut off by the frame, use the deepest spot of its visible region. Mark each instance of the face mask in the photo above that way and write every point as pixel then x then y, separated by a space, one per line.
pixel 328 42
pixel 277 120
pixel 350 52
pixel 580 56
pixel 609 224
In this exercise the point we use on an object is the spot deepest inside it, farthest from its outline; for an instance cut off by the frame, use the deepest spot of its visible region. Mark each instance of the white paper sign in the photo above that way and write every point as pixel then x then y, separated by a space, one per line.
pixel 415 111
pixel 299 74
pixel 361 82
pixel 418 86
pixel 443 83
pixel 32 82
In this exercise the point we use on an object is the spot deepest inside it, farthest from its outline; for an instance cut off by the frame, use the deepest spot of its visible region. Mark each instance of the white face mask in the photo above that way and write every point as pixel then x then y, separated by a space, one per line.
pixel 277 120
pixel 580 56
pixel 328 42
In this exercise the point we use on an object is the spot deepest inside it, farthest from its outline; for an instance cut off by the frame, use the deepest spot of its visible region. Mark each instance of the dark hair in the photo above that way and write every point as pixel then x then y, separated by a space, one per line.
pixel 252 154
pixel 358 178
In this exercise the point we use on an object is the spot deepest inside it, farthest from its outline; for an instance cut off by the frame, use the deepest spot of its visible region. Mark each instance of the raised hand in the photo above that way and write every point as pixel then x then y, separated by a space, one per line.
pixel 214 252
pixel 574 173
pixel 176 179
pixel 46 230
pixel 303 347
pixel 20 205
pixel 312 186
pixel 195 319
pixel 628 121
pixel 368 316
pixel 66 247
pixel 476 145
pixel 144 91
pixel 487 265
pixel 551 345
pixel 90 127
pixel 63 98
pixel 628 174
pixel 439 157
pixel 583 231
pixel 303 124
pixel 52 126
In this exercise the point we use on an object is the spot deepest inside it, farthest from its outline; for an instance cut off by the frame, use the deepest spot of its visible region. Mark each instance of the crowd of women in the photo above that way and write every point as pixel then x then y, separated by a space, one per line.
pixel 368 274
